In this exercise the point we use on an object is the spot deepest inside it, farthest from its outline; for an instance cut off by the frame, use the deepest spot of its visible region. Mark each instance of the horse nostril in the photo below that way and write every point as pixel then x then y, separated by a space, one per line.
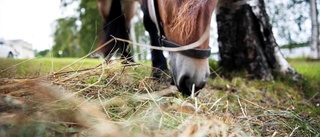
pixel 186 85
pixel 200 86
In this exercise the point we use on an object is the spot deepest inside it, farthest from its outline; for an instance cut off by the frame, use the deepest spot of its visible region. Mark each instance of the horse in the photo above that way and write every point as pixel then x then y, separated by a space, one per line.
pixel 170 23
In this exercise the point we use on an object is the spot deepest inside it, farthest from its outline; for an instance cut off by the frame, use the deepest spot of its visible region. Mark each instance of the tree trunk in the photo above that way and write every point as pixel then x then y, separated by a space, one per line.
pixel 246 40
pixel 315 34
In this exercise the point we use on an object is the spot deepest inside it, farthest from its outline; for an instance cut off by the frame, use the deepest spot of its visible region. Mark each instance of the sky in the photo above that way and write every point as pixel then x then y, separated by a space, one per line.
pixel 30 20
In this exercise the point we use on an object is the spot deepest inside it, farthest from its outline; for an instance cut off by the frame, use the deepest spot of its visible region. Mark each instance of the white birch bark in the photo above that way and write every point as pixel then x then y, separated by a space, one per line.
pixel 314 54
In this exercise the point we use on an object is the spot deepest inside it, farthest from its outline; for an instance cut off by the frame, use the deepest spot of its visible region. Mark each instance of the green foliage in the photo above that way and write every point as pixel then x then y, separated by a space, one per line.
pixel 65 38
pixel 76 36
pixel 295 45
pixel 90 25
pixel 87 25
pixel 42 53
pixel 290 19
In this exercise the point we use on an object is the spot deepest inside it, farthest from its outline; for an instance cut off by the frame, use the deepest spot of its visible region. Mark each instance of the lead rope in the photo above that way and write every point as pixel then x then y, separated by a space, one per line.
pixel 202 39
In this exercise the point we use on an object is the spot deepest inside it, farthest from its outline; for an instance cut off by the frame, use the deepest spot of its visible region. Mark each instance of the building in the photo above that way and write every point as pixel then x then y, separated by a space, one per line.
pixel 23 49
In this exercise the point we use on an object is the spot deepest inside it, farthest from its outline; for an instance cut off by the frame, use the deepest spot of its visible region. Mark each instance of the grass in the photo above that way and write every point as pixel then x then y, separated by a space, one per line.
pixel 137 105
pixel 22 68
pixel 309 69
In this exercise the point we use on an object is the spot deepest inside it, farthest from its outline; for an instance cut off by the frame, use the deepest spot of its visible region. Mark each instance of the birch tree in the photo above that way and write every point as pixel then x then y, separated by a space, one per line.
pixel 314 44
pixel 246 40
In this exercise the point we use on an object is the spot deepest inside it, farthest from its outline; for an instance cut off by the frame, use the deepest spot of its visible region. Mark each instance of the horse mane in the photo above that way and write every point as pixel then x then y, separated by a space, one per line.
pixel 185 17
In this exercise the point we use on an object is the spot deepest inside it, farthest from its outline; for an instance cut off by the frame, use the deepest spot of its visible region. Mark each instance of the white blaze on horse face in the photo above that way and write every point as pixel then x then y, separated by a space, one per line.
pixel 184 22
pixel 187 71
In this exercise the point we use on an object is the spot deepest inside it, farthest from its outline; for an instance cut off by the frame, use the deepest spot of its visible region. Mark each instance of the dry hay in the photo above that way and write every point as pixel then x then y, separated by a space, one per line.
pixel 27 103
pixel 109 100
pixel 122 100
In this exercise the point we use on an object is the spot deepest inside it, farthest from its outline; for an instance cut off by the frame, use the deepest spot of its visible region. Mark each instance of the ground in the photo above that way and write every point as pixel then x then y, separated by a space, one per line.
pixel 71 97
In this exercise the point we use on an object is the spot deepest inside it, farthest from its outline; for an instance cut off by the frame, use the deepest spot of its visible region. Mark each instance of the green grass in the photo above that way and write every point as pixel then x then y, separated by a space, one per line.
pixel 43 66
pixel 23 68
pixel 309 69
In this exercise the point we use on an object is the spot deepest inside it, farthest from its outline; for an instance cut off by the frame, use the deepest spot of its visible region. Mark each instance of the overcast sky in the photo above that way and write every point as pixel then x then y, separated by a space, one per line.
pixel 30 20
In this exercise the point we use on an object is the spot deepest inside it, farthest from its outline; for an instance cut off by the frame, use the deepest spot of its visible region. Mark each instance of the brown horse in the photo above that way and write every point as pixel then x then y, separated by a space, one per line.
pixel 170 23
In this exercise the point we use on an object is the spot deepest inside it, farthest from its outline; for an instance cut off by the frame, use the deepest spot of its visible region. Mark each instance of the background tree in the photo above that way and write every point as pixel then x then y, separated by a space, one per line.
pixel 89 23
pixel 65 38
pixel 314 44
pixel 90 26
pixel 293 23
pixel 290 20
pixel 79 32
pixel 43 53
pixel 246 40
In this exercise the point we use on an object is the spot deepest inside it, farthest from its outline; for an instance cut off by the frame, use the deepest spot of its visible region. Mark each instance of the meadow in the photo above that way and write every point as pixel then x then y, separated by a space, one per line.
pixel 67 97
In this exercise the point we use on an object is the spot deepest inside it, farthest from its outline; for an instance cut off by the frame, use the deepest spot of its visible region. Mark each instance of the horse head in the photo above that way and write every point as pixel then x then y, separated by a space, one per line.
pixel 185 22
pixel 180 23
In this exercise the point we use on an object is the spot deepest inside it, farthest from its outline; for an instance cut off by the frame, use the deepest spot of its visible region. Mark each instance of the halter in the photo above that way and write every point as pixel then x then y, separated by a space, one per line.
pixel 155 17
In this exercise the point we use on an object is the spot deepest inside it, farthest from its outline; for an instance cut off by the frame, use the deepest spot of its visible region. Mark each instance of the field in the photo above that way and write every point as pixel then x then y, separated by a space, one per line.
pixel 66 97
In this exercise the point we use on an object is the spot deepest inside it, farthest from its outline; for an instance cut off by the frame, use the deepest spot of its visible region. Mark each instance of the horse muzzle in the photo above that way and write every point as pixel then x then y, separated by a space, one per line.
pixel 189 74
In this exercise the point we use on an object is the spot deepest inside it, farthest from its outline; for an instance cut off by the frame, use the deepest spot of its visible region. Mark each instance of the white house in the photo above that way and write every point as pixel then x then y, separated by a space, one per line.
pixel 24 49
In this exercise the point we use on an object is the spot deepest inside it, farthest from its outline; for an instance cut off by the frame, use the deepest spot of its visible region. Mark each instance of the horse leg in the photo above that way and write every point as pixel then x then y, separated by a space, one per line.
pixel 129 9
pixel 159 62
pixel 126 54
pixel 114 26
